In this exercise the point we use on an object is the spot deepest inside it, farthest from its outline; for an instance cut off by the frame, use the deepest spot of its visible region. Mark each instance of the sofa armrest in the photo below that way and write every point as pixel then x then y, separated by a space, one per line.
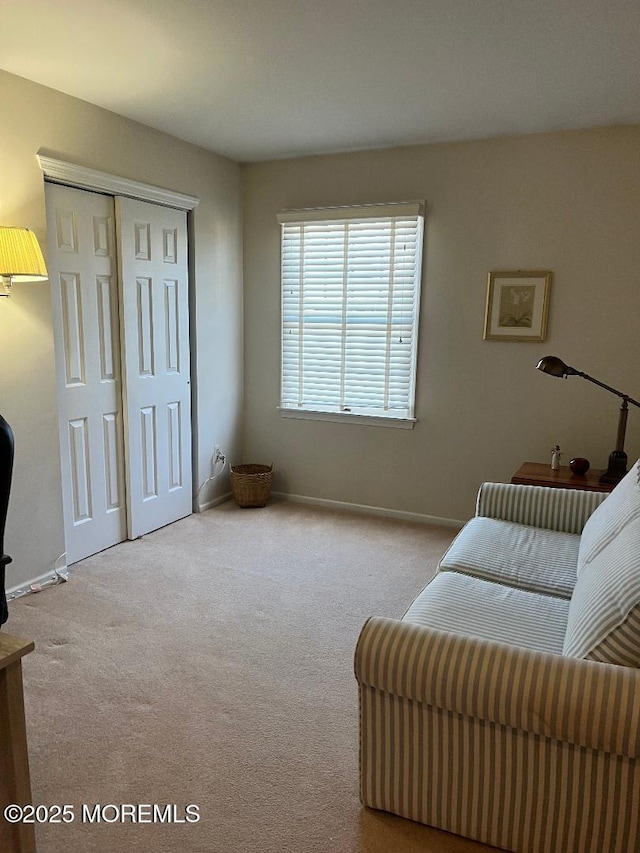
pixel 589 704
pixel 566 510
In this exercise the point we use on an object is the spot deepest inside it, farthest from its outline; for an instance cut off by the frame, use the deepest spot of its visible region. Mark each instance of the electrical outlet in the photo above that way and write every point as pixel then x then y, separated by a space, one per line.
pixel 216 455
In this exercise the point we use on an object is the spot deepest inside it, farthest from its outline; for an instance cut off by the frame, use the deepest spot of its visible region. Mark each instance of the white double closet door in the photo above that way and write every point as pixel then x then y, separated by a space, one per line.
pixel 118 275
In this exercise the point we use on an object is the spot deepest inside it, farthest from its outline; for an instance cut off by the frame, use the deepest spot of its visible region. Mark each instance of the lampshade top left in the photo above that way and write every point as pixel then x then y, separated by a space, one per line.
pixel 20 255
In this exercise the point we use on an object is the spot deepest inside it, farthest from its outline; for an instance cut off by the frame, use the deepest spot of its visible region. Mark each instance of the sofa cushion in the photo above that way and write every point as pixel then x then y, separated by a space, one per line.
pixel 604 614
pixel 515 554
pixel 462 604
pixel 620 508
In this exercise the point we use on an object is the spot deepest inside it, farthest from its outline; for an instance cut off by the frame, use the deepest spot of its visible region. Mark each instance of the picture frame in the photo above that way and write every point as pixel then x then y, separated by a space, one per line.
pixel 517 306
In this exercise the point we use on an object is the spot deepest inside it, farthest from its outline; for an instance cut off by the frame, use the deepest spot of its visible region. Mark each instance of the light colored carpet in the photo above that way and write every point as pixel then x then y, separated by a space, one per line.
pixel 210 663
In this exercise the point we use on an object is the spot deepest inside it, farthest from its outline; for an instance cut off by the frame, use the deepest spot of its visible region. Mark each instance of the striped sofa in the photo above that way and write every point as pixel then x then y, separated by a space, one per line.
pixel 505 705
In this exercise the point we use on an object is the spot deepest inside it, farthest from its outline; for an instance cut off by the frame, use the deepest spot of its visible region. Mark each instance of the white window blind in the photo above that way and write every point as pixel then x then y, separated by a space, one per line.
pixel 350 301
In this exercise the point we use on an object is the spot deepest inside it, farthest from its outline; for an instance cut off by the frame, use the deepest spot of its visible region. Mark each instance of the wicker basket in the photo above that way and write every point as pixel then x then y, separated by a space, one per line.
pixel 251 484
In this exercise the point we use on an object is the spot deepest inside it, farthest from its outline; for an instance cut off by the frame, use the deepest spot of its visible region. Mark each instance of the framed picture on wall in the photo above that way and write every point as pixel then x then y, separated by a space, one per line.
pixel 517 306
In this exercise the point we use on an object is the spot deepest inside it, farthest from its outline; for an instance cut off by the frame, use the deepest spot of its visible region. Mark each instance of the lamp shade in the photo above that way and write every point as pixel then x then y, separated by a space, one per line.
pixel 20 255
pixel 554 366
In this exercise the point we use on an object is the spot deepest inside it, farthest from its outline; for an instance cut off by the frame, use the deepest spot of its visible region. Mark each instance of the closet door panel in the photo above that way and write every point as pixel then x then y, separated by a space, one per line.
pixel 83 276
pixel 155 343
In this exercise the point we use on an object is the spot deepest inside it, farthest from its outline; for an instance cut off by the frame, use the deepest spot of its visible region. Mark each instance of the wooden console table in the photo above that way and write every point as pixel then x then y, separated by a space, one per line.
pixel 15 783
pixel 540 474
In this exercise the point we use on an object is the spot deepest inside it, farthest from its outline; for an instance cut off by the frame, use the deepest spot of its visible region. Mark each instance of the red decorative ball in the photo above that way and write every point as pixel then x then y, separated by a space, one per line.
pixel 579 465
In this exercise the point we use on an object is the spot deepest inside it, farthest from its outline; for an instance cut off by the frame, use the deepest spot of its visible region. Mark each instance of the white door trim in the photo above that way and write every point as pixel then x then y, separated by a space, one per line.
pixel 91 179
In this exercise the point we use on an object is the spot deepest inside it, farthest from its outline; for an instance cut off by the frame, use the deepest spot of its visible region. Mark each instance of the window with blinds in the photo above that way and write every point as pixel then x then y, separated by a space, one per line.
pixel 350 301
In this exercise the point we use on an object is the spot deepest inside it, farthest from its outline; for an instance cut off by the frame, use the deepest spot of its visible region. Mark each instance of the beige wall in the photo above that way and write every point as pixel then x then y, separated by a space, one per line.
pixel 35 118
pixel 567 202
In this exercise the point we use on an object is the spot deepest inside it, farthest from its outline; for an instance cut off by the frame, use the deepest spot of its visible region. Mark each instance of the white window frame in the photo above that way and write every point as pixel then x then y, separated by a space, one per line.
pixel 297 223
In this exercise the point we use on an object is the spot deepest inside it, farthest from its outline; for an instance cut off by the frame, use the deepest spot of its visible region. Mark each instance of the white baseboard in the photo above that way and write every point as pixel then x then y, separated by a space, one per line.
pixel 45 579
pixel 214 502
pixel 364 509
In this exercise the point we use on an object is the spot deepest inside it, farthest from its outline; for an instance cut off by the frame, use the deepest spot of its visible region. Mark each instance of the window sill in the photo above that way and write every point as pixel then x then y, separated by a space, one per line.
pixel 348 417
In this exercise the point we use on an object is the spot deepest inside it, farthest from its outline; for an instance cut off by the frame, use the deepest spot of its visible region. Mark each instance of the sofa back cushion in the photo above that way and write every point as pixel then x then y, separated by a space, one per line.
pixel 620 508
pixel 604 612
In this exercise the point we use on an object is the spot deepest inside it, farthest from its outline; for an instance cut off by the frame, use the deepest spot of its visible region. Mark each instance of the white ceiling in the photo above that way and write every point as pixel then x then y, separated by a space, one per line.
pixel 261 79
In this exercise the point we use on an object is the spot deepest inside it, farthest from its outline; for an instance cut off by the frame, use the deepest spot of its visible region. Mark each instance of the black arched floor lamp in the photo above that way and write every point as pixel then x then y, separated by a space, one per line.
pixel 617 468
